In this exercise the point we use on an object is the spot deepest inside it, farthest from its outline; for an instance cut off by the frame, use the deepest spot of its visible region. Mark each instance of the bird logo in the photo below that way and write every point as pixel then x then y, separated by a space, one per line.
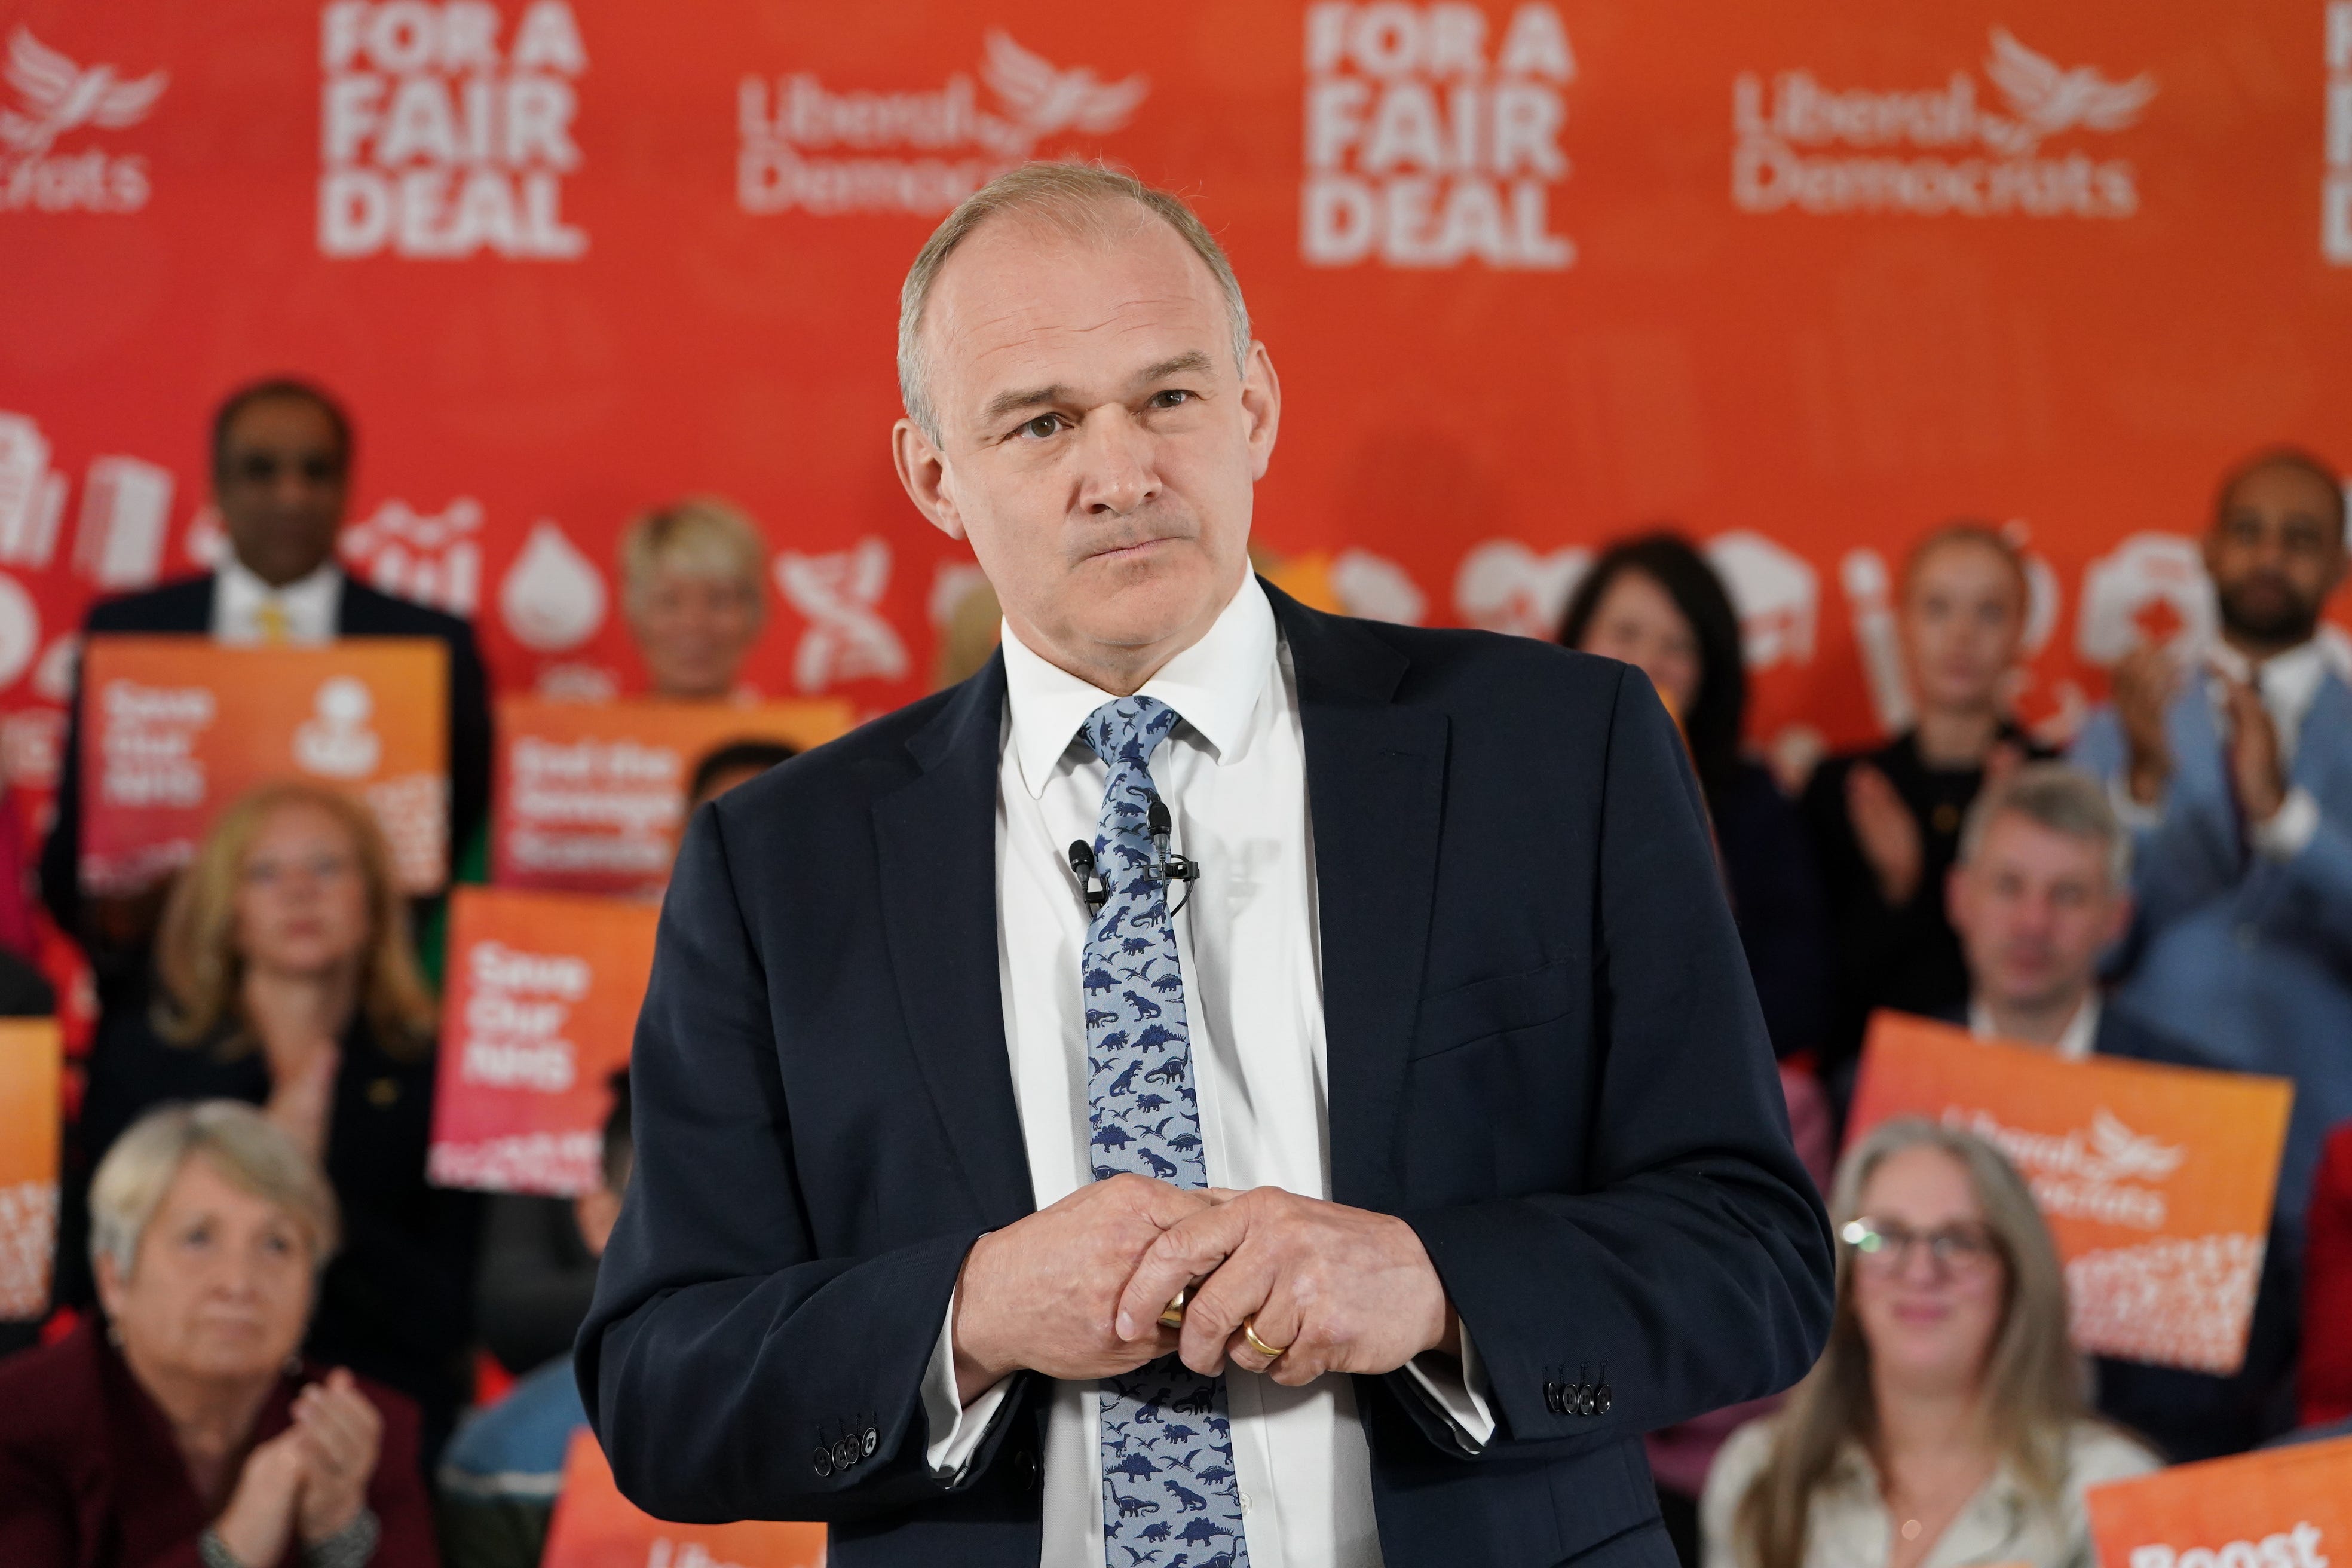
pixel 58 95
pixel 2047 99
pixel 1043 99
pixel 2118 1153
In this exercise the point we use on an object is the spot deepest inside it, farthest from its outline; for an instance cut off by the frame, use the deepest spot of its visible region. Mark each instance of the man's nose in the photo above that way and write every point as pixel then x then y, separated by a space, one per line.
pixel 1117 473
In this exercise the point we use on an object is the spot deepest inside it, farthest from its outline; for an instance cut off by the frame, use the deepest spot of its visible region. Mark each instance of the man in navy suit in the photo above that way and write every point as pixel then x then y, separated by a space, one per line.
pixel 282 458
pixel 2041 891
pixel 1359 1000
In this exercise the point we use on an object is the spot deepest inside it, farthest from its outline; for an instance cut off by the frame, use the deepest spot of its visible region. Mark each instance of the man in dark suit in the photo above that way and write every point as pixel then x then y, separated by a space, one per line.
pixel 2041 890
pixel 281 457
pixel 1362 1000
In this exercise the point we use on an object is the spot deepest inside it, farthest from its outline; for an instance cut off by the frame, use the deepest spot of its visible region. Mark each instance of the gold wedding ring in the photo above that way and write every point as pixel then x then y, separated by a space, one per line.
pixel 1249 1332
pixel 1173 1315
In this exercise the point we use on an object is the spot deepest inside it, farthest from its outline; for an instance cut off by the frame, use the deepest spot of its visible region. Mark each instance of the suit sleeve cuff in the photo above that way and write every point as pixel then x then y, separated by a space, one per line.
pixel 1457 1394
pixel 957 1428
pixel 2290 828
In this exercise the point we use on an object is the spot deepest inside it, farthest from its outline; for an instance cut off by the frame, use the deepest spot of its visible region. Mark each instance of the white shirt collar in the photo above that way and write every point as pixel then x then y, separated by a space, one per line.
pixel 2286 682
pixel 1215 685
pixel 2075 1042
pixel 309 603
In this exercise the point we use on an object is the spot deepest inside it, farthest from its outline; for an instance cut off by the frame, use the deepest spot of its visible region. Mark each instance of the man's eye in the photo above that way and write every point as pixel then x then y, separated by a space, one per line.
pixel 1173 397
pixel 1043 425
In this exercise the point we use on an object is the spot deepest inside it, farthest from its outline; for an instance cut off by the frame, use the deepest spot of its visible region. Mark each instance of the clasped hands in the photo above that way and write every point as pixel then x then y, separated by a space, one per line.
pixel 1075 1290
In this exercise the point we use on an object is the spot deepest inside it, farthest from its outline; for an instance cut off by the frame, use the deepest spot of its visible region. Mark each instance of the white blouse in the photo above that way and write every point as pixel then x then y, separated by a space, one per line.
pixel 1850 1526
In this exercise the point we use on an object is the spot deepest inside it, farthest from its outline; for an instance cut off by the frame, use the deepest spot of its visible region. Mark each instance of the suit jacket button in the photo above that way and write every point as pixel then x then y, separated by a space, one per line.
pixel 1024 1469
pixel 871 1441
pixel 1552 1400
pixel 845 1453
pixel 823 1463
pixel 1580 1399
pixel 1601 1399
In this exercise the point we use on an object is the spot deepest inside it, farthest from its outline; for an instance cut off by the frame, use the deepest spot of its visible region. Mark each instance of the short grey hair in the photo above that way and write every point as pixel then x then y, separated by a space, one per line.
pixel 2061 798
pixel 1081 202
pixel 244 1146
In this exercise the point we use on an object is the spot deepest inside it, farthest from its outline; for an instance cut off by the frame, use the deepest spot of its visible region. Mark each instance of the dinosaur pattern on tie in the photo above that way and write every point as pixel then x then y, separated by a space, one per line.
pixel 1167 1446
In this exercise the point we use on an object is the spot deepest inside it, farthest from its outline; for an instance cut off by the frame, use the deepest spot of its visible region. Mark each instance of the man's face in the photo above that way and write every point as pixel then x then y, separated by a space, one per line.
pixel 2035 907
pixel 2276 554
pixel 281 488
pixel 1096 446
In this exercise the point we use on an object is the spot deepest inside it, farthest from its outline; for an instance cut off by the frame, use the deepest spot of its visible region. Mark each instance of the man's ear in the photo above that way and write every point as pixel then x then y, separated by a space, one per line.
pixel 923 470
pixel 1261 408
pixel 1955 897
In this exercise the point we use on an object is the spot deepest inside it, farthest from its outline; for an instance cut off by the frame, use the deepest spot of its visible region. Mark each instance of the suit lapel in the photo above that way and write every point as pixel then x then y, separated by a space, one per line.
pixel 2325 741
pixel 936 841
pixel 1375 787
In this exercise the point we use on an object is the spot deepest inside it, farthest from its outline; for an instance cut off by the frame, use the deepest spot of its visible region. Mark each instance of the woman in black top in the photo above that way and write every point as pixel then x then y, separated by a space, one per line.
pixel 1655 603
pixel 1886 823
pixel 284 976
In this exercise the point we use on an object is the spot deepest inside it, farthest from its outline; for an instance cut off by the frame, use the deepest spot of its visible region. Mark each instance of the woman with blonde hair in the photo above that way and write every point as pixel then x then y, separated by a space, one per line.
pixel 184 1429
pixel 284 976
pixel 1946 1422
pixel 694 592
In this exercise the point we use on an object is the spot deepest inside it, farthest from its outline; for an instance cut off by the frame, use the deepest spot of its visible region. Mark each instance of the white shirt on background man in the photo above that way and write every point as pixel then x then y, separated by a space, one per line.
pixel 244 605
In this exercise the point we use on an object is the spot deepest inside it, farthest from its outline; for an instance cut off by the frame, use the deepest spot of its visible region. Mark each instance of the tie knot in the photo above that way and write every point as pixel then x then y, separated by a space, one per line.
pixel 1125 732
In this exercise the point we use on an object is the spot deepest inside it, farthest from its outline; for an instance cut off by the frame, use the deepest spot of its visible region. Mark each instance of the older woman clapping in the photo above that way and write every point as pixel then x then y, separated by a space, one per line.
pixel 187 1431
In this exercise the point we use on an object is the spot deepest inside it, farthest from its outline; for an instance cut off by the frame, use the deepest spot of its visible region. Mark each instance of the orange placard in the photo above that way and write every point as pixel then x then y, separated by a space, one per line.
pixel 596 1526
pixel 2157 1181
pixel 175 728
pixel 31 1057
pixel 592 796
pixel 2284 1508
pixel 543 991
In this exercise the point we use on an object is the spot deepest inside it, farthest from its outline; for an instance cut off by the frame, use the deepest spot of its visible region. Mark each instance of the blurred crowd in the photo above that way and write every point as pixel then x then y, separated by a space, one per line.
pixel 274 1341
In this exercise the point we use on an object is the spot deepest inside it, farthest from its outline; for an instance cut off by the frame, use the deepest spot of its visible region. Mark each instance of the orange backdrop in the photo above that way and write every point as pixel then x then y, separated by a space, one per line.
pixel 1806 277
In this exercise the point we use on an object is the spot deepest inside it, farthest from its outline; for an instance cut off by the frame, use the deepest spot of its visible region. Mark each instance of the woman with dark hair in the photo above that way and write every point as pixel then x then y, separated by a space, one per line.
pixel 1655 603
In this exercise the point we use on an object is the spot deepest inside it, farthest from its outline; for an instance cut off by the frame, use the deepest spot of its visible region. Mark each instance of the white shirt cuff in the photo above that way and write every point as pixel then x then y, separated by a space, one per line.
pixel 957 1428
pixel 1459 1395
pixel 2135 817
pixel 2290 827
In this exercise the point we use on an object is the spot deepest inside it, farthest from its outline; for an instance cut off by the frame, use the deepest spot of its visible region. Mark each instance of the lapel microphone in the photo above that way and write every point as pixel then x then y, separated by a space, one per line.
pixel 1166 865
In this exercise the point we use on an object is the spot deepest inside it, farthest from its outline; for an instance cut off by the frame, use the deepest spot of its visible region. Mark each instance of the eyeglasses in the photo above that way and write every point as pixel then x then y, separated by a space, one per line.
pixel 1953 1249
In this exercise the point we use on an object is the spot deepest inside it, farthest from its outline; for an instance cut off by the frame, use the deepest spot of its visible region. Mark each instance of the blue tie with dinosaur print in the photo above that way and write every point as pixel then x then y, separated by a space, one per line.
pixel 1169 1493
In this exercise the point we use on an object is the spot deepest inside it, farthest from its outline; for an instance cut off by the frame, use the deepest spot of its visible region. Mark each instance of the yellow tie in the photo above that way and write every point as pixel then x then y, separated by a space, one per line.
pixel 271 617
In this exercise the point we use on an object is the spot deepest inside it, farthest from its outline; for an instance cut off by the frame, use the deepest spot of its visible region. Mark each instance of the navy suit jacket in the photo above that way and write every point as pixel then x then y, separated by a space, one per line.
pixel 185 607
pixel 1545 1055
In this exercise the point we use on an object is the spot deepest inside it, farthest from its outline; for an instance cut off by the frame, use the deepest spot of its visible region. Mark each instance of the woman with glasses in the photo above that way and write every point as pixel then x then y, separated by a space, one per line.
pixel 284 977
pixel 1946 1422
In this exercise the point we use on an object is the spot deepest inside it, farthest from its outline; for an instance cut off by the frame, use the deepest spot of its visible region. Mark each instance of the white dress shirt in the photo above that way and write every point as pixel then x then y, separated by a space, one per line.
pixel 1233 774
pixel 2075 1042
pixel 308 604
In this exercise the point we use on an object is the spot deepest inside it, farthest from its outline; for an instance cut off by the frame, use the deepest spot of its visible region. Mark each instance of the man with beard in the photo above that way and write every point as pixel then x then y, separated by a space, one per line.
pixel 2235 774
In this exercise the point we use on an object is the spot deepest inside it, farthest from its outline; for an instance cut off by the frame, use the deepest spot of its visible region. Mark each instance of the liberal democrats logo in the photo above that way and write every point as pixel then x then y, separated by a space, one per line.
pixel 54 96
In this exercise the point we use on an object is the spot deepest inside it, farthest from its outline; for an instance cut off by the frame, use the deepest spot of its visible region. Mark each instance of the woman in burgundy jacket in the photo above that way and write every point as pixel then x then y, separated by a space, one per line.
pixel 182 1432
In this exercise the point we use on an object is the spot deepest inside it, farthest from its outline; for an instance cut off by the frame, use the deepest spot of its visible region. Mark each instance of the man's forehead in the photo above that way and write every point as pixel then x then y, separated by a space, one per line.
pixel 2287 486
pixel 1021 303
